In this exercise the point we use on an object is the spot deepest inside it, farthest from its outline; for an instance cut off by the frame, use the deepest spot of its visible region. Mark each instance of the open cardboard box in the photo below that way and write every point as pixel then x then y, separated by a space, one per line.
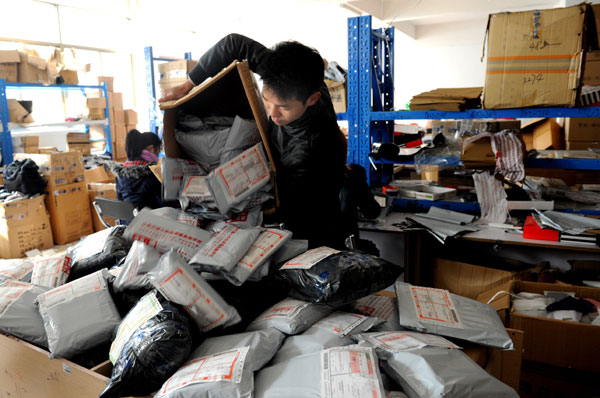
pixel 231 92
pixel 558 343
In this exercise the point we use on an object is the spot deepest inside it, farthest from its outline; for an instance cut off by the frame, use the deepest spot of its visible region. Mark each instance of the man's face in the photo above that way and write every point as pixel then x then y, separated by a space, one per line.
pixel 283 112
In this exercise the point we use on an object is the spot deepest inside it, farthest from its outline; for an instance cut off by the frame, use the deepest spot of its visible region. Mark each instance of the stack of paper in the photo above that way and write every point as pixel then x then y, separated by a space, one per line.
pixel 447 99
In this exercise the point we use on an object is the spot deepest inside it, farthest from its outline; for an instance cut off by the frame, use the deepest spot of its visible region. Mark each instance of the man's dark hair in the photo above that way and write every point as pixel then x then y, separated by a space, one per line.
pixel 292 70
pixel 136 142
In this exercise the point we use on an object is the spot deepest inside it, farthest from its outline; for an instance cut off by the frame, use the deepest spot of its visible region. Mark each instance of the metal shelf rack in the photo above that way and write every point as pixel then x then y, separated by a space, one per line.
pixel 5 135
pixel 371 100
pixel 155 120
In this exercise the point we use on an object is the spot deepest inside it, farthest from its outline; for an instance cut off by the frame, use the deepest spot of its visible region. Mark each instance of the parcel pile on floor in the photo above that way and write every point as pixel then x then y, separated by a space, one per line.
pixel 249 312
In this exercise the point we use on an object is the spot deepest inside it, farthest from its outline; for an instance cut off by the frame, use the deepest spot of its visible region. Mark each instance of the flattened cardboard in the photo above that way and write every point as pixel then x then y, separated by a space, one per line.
pixel 558 343
pixel 534 57
pixel 69 208
pixel 226 94
pixel 24 226
pixel 466 279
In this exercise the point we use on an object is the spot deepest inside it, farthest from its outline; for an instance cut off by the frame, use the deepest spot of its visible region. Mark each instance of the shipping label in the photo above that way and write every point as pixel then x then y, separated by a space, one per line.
pixel 340 323
pixel 350 372
pixel 382 307
pixel 244 171
pixel 287 309
pixel 224 366
pixel 10 291
pixel 265 245
pixel 221 241
pixel 196 190
pixel 145 309
pixel 309 258
pixel 51 271
pixel 403 341
pixel 435 306
pixel 181 288
pixel 72 290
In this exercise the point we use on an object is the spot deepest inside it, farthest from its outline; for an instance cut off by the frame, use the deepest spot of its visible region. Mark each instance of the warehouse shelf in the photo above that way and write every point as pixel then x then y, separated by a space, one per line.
pixel 8 128
pixel 155 116
pixel 371 104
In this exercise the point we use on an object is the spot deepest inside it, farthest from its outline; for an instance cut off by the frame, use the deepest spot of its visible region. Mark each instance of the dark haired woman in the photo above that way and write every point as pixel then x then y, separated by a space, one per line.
pixel 135 181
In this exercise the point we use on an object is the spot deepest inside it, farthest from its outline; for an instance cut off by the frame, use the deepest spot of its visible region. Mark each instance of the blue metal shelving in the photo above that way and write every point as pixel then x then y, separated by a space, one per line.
pixel 154 117
pixel 371 100
pixel 5 135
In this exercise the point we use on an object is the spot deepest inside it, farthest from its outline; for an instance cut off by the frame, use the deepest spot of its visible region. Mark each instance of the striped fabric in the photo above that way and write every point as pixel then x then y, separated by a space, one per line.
pixel 509 155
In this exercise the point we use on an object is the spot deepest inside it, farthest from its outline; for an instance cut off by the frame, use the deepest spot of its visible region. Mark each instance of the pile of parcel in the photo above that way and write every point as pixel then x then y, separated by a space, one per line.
pixel 232 309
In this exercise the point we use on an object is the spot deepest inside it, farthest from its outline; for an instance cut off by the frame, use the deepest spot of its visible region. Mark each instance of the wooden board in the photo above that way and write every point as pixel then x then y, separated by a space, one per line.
pixel 27 372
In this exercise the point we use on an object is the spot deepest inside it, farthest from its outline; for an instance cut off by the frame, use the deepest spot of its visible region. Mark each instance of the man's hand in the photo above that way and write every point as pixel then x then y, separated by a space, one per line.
pixel 173 93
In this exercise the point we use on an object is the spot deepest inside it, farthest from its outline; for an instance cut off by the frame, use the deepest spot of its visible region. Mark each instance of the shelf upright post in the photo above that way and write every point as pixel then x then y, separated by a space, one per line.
pixel 5 139
pixel 107 133
pixel 353 89
pixel 150 88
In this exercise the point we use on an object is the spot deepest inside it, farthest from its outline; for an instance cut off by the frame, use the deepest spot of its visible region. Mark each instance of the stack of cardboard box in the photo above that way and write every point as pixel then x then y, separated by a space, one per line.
pixel 66 194
pixel 582 133
pixel 79 142
pixel 26 144
pixel 96 108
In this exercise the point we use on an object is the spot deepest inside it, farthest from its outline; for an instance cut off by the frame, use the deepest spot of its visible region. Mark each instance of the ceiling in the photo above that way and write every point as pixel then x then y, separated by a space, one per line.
pixel 406 15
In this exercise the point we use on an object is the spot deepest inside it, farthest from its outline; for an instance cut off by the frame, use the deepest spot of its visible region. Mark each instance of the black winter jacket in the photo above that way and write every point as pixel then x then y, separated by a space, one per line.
pixel 309 153
pixel 136 184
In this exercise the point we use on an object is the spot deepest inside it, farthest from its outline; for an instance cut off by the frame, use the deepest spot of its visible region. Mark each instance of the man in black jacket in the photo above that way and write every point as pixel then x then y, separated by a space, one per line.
pixel 307 144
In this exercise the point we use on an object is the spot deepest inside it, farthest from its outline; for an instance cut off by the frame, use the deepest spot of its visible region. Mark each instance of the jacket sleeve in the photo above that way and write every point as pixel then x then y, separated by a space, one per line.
pixel 232 47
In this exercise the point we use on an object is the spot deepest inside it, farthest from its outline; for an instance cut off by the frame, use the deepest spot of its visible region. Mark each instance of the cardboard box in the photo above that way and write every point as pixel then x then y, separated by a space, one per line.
pixel 17 113
pixel 547 134
pixel 119 117
pixel 478 152
pixel 69 208
pixel 97 132
pixel 104 190
pixel 119 151
pixel 24 226
pixel 98 175
pixel 466 279
pixel 581 145
pixel 28 140
pixel 32 69
pixel 9 65
pixel 534 57
pixel 174 73
pixel 337 91
pixel 81 138
pixel 130 127
pixel 131 116
pixel 591 68
pixel 59 168
pixel 69 76
pixel 109 80
pixel 120 134
pixel 527 137
pixel 582 129
pixel 82 147
pixel 117 99
pixel 96 114
pixel 558 343
pixel 96 102
pixel 493 126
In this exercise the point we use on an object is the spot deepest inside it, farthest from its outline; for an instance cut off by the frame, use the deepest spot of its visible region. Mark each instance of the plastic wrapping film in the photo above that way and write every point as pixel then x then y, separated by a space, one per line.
pixel 223 251
pixel 99 250
pixel 290 316
pixel 179 283
pixel 239 178
pixel 339 372
pixel 151 343
pixel 140 260
pixel 332 331
pixel 440 312
pixel 78 315
pixel 17 268
pixel 223 366
pixel 18 314
pixel 339 278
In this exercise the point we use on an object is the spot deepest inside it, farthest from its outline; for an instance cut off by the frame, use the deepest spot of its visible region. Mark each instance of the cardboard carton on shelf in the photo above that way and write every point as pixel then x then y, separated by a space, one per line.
pixel 337 91
pixel 478 153
pixel 118 117
pixel 591 68
pixel 81 147
pixel 81 138
pixel 130 127
pixel 24 226
pixel 109 80
pixel 17 113
pixel 582 129
pixel 582 145
pixel 9 65
pixel 69 210
pixel 69 76
pixel 174 73
pixel 547 134
pixel 120 133
pixel 32 69
pixel 558 343
pixel 131 116
pixel 522 69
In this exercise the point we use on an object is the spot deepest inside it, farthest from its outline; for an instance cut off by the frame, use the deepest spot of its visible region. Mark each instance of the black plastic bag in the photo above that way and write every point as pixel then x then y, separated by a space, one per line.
pixel 86 257
pixel 154 351
pixel 340 278
pixel 24 176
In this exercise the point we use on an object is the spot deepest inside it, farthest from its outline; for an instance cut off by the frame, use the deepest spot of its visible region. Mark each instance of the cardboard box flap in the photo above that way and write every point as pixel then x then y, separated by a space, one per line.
pixel 9 57
pixel 33 60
